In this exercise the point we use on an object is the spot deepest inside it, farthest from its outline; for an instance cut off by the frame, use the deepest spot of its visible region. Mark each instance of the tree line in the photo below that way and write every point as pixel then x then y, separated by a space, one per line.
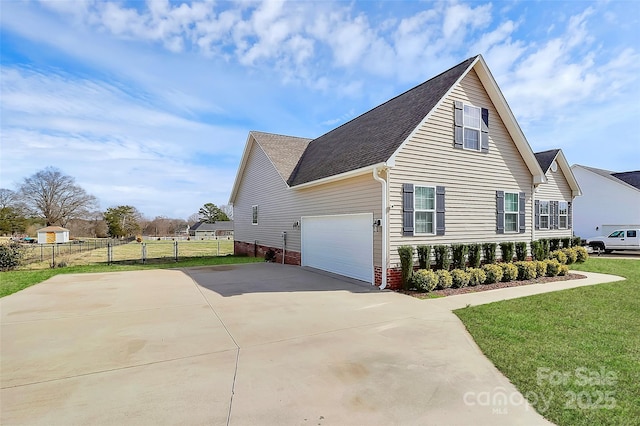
pixel 51 198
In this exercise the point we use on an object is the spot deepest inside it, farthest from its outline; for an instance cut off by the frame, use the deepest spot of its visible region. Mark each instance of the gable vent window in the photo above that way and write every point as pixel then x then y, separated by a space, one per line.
pixel 254 215
pixel 471 127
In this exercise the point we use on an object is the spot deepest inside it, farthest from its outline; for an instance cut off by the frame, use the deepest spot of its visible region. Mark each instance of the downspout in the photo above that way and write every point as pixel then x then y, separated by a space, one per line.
pixel 385 236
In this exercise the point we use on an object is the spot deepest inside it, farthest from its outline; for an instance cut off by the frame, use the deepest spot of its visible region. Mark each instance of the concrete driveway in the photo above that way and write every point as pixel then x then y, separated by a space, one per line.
pixel 242 345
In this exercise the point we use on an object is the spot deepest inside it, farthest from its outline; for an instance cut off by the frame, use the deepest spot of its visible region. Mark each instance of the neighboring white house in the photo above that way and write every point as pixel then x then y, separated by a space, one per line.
pixel 609 200
pixel 212 231
pixel 53 235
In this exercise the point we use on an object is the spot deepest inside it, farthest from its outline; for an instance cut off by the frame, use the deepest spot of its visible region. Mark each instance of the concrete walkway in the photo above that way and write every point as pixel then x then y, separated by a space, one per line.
pixel 241 345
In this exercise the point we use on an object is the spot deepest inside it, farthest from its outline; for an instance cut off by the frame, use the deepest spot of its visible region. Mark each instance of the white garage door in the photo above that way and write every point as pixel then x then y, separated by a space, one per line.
pixel 342 244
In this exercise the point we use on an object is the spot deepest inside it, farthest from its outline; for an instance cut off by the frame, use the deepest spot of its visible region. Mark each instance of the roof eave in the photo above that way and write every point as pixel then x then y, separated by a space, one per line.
pixel 240 172
pixel 341 176
pixel 561 160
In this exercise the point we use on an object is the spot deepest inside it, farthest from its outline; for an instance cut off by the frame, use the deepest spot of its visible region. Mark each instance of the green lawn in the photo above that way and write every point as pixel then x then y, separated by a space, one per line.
pixel 13 281
pixel 574 354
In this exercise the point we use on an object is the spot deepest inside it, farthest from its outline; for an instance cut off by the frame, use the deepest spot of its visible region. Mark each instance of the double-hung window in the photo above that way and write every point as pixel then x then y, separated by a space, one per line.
pixel 471 125
pixel 511 212
pixel 424 209
pixel 543 211
pixel 563 213
pixel 254 215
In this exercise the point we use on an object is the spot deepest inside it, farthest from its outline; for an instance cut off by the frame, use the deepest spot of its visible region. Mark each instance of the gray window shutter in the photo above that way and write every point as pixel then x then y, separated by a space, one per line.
pixel 521 210
pixel 556 213
pixel 440 210
pixel 407 209
pixel 500 212
pixel 537 213
pixel 569 215
pixel 484 134
pixel 458 122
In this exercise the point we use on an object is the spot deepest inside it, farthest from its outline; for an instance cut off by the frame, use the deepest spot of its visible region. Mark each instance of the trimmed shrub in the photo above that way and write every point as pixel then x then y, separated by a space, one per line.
pixel 581 254
pixel 474 255
pixel 424 257
pixel 442 257
pixel 563 270
pixel 566 242
pixel 506 250
pixel 541 268
pixel 576 242
pixel 553 267
pixel 545 248
pixel 521 251
pixel 572 255
pixel 509 272
pixel 493 273
pixel 444 279
pixel 11 256
pixel 459 278
pixel 559 256
pixel 459 252
pixel 489 252
pixel 476 276
pixel 406 264
pixel 537 251
pixel 526 270
pixel 554 244
pixel 424 279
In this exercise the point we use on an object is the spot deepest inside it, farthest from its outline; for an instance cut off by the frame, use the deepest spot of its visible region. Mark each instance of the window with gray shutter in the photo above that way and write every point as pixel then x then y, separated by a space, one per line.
pixel 471 127
pixel 407 209
pixel 522 208
pixel 569 215
pixel 485 130
pixel 536 208
pixel 555 214
pixel 458 123
pixel 500 212
pixel 440 227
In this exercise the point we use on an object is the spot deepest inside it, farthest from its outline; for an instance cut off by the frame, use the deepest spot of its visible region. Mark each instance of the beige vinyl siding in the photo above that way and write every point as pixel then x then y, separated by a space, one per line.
pixel 556 189
pixel 470 178
pixel 279 206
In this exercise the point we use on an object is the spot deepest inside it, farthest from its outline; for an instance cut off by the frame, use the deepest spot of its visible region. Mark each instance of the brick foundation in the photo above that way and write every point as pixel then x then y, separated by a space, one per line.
pixel 258 250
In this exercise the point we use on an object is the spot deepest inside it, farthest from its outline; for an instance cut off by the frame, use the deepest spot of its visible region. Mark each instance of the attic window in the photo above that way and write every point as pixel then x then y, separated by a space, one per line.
pixel 471 127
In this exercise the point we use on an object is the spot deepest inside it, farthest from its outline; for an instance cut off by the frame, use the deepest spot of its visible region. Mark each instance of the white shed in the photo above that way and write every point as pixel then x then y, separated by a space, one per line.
pixel 53 235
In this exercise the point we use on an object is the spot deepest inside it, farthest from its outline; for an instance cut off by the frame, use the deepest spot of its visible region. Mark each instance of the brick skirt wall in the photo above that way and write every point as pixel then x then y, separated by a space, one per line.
pixel 258 250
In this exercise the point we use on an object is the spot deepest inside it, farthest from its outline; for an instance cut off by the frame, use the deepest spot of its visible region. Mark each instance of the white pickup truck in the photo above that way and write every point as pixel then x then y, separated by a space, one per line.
pixel 620 239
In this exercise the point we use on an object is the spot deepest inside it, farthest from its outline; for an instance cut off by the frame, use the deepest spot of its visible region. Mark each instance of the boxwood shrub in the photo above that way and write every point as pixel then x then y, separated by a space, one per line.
pixel 581 254
pixel 444 279
pixel 563 270
pixel 493 273
pixel 424 280
pixel 459 278
pixel 572 255
pixel 476 276
pixel 541 268
pixel 509 272
pixel 559 256
pixel 553 267
pixel 526 270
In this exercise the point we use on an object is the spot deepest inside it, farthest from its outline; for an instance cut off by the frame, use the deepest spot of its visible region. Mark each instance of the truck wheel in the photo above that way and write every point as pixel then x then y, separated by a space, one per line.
pixel 608 251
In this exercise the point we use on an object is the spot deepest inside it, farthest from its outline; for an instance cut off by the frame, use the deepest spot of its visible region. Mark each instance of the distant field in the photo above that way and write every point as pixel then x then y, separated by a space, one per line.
pixel 156 251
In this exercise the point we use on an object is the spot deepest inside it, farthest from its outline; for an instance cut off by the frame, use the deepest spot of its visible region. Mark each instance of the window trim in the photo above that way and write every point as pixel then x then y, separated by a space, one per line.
pixel 565 215
pixel 432 211
pixel 517 213
pixel 254 214
pixel 476 129
pixel 547 215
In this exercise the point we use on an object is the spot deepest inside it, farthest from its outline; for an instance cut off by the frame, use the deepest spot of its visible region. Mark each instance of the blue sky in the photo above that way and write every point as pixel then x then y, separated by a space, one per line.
pixel 150 103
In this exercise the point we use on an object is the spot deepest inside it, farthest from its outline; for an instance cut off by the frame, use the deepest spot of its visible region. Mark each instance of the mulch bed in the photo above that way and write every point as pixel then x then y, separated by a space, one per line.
pixel 485 287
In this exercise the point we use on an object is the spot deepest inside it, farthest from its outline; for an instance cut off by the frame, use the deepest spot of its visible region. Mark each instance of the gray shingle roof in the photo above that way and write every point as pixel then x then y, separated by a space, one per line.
pixel 625 178
pixel 545 158
pixel 632 178
pixel 375 135
pixel 283 151
pixel 225 225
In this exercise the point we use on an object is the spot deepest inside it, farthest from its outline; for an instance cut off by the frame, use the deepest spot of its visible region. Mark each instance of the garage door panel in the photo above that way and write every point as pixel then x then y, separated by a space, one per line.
pixel 342 244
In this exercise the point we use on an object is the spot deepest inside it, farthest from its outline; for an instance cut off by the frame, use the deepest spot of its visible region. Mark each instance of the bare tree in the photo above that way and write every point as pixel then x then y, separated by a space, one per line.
pixel 55 197
pixel 8 198
pixel 193 218
pixel 228 210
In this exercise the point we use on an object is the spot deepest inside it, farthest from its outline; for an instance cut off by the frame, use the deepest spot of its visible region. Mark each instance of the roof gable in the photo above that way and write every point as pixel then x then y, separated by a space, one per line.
pixel 283 151
pixel 374 136
pixel 622 178
pixel 632 178
pixel 545 158
pixel 219 225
